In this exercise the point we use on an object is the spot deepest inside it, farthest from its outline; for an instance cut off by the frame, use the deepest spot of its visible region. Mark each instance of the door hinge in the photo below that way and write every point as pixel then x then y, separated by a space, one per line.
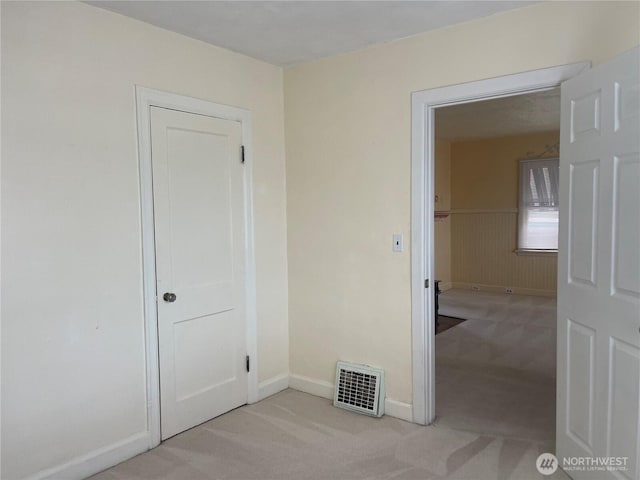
pixel 242 156
pixel 248 364
pixel 426 283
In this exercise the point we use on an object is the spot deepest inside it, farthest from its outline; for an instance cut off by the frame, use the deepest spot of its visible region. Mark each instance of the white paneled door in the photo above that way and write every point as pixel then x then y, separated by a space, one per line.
pixel 199 231
pixel 599 270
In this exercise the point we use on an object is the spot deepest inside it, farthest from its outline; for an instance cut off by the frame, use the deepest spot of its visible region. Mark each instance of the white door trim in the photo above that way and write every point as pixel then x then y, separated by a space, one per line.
pixel 423 105
pixel 146 98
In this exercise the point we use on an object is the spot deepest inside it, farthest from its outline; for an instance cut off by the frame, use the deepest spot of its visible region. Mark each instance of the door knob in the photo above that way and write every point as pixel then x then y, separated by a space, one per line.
pixel 169 297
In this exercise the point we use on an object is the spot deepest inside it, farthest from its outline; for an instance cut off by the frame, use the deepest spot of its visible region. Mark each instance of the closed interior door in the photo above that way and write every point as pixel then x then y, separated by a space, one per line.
pixel 200 268
pixel 599 269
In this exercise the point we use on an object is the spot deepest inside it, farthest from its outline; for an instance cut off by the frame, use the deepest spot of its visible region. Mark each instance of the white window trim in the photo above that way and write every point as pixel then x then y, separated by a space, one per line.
pixel 535 253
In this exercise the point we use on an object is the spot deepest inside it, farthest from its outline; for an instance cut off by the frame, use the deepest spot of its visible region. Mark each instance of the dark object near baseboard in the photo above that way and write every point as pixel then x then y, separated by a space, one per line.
pixel 445 323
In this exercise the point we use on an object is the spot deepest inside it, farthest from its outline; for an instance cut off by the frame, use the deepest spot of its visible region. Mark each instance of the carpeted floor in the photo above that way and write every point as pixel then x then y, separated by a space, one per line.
pixel 496 372
pixel 293 436
pixel 495 391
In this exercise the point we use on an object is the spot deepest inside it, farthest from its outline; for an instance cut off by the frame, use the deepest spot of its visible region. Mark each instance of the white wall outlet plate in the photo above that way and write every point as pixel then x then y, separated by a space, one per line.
pixel 398 242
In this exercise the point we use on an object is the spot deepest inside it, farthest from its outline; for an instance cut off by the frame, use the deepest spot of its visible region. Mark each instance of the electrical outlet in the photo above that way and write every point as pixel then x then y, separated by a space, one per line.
pixel 398 242
pixel 508 290
pixel 475 288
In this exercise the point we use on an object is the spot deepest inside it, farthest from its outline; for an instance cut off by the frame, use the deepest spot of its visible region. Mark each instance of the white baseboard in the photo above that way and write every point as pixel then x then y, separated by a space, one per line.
pixel 320 388
pixel 316 387
pixel 97 460
pixel 106 457
pixel 445 286
pixel 401 410
pixel 273 385
pixel 500 289
pixel 101 459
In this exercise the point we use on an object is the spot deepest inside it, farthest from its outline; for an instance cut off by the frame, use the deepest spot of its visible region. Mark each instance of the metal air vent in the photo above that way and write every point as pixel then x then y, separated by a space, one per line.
pixel 359 388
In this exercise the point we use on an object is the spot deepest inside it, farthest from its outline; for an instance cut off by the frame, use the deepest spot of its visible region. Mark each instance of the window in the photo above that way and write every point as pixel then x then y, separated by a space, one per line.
pixel 538 208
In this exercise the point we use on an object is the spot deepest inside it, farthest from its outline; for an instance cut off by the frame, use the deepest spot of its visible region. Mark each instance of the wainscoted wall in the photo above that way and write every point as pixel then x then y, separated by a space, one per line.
pixel 482 246
pixel 484 217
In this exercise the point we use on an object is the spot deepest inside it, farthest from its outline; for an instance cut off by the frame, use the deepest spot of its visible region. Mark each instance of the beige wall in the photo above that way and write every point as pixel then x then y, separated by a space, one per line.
pixel 484 173
pixel 72 328
pixel 348 137
pixel 73 377
pixel 442 226
pixel 484 220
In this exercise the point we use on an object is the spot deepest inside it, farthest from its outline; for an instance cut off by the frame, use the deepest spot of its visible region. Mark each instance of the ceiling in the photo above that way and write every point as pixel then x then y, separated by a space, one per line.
pixel 289 32
pixel 519 114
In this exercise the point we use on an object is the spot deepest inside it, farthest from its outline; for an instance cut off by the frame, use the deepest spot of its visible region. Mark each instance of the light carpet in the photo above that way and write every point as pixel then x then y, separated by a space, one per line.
pixel 293 435
pixel 495 402
pixel 496 372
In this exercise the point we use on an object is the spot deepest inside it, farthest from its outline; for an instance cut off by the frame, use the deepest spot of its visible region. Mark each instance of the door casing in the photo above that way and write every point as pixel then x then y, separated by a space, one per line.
pixel 145 99
pixel 423 105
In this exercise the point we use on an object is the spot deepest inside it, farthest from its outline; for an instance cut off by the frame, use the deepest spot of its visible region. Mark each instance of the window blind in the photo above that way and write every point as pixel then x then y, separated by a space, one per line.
pixel 538 208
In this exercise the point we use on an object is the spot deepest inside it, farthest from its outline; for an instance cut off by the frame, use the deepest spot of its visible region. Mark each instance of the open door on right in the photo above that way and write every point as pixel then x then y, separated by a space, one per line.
pixel 599 273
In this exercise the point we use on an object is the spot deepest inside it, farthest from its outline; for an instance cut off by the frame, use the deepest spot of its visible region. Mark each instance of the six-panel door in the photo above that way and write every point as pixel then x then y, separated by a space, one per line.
pixel 599 269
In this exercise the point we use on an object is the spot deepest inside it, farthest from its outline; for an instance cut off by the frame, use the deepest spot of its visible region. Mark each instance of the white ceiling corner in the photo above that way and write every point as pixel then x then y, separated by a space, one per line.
pixel 290 32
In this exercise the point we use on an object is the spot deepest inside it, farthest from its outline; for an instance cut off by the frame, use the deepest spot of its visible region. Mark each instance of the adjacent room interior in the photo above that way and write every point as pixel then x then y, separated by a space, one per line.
pixel 496 233
pixel 118 118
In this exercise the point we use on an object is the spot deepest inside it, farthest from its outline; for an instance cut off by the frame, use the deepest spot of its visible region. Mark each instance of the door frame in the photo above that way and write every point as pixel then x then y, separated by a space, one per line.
pixel 423 105
pixel 145 99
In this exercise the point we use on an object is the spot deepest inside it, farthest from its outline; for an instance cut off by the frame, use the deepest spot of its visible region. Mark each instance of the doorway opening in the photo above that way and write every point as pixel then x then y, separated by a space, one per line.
pixel 424 106
pixel 598 231
pixel 495 265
